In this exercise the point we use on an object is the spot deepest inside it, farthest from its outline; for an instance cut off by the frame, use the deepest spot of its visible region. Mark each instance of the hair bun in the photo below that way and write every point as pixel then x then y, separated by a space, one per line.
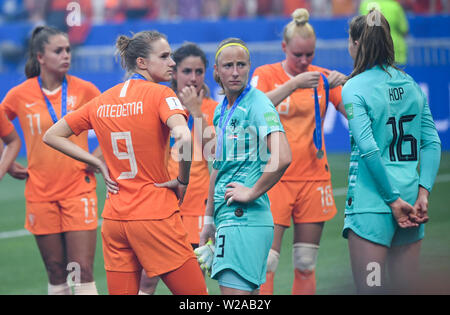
pixel 300 16
pixel 122 42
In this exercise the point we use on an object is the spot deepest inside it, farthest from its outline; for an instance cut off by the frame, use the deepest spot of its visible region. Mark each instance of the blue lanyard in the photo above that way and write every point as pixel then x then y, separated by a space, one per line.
pixel 63 100
pixel 223 127
pixel 137 76
pixel 318 131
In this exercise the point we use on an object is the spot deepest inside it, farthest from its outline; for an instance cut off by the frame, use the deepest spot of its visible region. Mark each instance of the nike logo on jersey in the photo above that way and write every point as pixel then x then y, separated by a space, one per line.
pixel 30 105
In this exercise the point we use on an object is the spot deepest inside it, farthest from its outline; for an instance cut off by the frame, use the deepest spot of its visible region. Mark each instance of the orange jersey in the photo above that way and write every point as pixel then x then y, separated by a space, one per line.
pixel 6 127
pixel 52 175
pixel 130 122
pixel 197 190
pixel 297 115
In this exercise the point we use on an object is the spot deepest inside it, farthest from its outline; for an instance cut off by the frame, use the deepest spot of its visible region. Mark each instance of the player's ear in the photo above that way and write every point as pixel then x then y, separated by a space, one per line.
pixel 142 63
pixel 283 46
pixel 40 57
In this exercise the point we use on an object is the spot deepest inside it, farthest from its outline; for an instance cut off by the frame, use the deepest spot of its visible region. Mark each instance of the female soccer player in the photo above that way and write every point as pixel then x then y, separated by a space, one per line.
pixel 188 82
pixel 392 133
pixel 300 91
pixel 9 136
pixel 142 227
pixel 61 201
pixel 247 128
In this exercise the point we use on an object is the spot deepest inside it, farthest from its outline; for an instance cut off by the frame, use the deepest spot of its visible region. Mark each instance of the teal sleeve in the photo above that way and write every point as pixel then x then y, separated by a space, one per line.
pixel 430 150
pixel 378 171
pixel 265 116
pixel 361 129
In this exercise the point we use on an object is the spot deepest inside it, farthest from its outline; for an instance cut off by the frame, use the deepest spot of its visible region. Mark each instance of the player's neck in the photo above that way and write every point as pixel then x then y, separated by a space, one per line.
pixel 51 82
pixel 288 71
pixel 145 74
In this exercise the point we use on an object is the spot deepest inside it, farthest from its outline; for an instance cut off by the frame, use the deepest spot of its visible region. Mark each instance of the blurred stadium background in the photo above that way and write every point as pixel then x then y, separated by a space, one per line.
pixel 93 27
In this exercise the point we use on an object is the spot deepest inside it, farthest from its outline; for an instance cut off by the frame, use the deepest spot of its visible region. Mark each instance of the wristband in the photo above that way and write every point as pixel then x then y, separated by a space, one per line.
pixel 179 181
pixel 207 219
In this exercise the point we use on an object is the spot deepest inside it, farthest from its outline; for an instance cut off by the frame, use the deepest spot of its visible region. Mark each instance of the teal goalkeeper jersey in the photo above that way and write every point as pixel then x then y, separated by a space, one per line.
pixel 244 157
pixel 391 133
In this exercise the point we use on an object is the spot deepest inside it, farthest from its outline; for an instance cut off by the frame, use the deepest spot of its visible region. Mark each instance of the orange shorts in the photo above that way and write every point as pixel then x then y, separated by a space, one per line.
pixel 304 202
pixel 193 225
pixel 72 214
pixel 158 246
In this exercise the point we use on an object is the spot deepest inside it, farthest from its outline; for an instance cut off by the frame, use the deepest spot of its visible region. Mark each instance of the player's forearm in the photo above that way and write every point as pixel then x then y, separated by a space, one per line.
pixel 69 148
pixel 279 161
pixel 281 92
pixel 379 174
pixel 430 158
pixel 186 158
pixel 210 202
pixel 203 133
pixel 10 152
pixel 8 156
pixel 57 137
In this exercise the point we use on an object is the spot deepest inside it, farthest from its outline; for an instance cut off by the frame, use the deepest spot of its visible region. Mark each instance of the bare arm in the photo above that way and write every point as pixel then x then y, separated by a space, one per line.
pixel 183 141
pixel 341 109
pixel 280 159
pixel 9 154
pixel 182 136
pixel 203 133
pixel 303 80
pixel 57 137
pixel 209 229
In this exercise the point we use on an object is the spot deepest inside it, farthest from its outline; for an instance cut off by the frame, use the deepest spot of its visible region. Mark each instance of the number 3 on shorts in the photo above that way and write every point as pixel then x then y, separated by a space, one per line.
pixel 128 155
pixel 220 246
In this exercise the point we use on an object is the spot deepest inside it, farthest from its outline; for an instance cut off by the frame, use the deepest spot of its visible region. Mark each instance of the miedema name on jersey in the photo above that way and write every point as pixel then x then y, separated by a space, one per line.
pixel 120 110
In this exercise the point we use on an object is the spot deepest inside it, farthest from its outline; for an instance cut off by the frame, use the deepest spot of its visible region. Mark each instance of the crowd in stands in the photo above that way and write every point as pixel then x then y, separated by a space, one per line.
pixel 115 11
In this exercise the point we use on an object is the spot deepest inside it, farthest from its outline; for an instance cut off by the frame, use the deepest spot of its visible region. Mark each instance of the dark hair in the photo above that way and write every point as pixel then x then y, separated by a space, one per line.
pixel 230 40
pixel 187 50
pixel 39 38
pixel 131 48
pixel 376 47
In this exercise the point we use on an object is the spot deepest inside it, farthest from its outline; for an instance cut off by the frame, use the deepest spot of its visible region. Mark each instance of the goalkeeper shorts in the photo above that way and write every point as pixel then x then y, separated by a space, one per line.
pixel 243 249
pixel 381 228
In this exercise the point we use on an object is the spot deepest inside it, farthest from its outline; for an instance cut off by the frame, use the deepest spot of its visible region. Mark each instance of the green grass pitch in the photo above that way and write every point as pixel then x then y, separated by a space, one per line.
pixel 22 270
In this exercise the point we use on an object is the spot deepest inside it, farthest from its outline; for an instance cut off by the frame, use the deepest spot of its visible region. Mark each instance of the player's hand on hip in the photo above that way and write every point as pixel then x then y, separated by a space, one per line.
pixel 111 185
pixel 18 171
pixel 307 80
pixel 238 193
pixel 404 213
pixel 178 188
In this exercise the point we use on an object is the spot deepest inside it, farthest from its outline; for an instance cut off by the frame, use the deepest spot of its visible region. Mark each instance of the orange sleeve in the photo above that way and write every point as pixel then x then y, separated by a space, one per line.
pixel 92 91
pixel 6 104
pixel 170 105
pixel 79 120
pixel 260 80
pixel 336 96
